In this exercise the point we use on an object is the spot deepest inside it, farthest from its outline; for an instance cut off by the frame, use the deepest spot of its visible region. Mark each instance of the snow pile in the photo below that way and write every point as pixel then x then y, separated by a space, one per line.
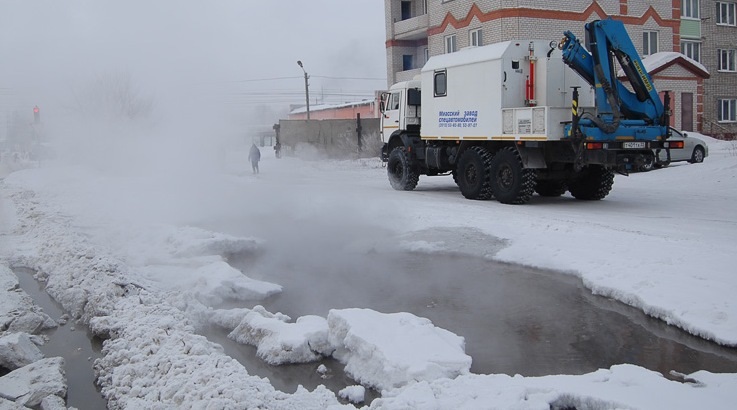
pixel 622 386
pixel 383 350
pixel 379 350
pixel 190 241
pixel 153 358
pixel 194 262
pixel 354 394
pixel 210 280
pixel 32 380
pixel 280 342
pixel 29 385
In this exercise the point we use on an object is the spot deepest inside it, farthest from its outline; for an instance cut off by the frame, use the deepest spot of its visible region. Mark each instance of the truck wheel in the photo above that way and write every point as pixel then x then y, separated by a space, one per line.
pixel 648 162
pixel 511 182
pixel 472 175
pixel 550 188
pixel 403 175
pixel 593 183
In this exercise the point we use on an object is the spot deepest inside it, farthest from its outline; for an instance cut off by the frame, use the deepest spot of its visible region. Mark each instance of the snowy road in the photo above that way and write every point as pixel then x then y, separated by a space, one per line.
pixel 119 251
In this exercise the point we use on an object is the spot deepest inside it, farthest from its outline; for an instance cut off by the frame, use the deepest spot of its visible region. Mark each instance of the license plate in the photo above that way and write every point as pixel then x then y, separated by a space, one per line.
pixel 634 145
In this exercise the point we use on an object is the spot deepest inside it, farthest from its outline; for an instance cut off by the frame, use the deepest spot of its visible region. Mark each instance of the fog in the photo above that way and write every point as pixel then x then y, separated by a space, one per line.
pixel 156 102
pixel 199 75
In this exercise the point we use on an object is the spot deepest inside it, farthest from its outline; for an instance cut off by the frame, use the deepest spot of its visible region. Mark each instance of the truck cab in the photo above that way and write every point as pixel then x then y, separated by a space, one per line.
pixel 400 111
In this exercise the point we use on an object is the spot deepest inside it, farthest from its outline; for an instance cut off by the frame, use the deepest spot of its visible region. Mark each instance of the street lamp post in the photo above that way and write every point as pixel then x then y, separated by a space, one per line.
pixel 307 88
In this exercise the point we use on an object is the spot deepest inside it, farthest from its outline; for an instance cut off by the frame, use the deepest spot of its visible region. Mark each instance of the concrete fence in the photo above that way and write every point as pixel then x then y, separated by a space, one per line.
pixel 338 139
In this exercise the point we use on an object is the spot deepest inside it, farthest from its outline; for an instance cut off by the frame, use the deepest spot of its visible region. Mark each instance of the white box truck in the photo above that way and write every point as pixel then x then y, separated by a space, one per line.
pixel 518 117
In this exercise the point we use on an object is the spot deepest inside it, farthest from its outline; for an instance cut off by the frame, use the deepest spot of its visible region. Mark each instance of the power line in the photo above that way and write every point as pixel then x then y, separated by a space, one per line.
pixel 263 79
pixel 350 78
pixel 311 76
pixel 297 93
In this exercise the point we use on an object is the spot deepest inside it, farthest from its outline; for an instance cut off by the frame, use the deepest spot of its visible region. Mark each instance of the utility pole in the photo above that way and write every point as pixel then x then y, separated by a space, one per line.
pixel 307 88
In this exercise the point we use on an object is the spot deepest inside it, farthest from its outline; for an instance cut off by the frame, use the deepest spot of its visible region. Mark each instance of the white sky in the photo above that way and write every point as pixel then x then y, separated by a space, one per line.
pixel 49 47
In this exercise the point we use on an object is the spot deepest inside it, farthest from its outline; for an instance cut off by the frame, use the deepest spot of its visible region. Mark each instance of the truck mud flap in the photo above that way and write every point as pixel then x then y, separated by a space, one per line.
pixel 532 157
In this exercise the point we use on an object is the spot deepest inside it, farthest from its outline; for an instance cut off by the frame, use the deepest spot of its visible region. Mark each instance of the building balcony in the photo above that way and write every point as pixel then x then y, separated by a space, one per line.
pixel 690 28
pixel 414 28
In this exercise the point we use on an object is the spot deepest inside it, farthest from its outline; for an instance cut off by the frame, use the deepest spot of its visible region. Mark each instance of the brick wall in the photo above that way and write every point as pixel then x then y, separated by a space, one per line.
pixel 533 19
pixel 720 84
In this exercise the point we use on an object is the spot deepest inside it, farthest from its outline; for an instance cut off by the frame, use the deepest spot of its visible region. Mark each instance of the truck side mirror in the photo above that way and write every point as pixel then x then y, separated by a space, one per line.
pixel 414 97
pixel 382 101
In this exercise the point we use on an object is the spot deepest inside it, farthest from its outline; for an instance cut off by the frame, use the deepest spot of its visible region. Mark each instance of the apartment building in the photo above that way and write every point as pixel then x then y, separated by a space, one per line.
pixel 712 36
pixel 418 29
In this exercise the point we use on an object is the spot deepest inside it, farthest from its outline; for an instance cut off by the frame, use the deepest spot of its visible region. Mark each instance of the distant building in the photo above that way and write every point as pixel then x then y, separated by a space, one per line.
pixel 349 110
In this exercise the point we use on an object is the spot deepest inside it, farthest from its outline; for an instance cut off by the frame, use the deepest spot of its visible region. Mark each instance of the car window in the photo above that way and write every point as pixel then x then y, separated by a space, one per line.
pixel 675 133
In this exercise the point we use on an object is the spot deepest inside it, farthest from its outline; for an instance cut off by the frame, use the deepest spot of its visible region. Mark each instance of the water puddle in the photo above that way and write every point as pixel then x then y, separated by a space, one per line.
pixel 515 319
pixel 73 342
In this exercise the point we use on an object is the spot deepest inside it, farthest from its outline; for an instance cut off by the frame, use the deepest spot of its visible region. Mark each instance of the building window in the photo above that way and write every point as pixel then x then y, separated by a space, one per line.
pixel 406 10
pixel 726 60
pixel 690 9
pixel 727 110
pixel 691 49
pixel 425 9
pixel 407 62
pixel 726 13
pixel 649 42
pixel 440 84
pixel 450 43
pixel 426 53
pixel 474 37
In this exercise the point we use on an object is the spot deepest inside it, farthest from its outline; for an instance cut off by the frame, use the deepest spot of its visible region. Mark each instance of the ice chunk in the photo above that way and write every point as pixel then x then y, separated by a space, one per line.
pixel 213 282
pixel 191 241
pixel 9 405
pixel 18 313
pixel 8 281
pixel 228 318
pixel 354 394
pixel 30 384
pixel 53 403
pixel 385 350
pixel 280 342
pixel 18 350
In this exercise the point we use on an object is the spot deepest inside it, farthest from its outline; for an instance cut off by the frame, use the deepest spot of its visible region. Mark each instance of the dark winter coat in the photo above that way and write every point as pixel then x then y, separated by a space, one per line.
pixel 255 154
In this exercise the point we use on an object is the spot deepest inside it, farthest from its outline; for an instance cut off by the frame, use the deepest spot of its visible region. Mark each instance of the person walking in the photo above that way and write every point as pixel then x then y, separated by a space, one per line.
pixel 254 156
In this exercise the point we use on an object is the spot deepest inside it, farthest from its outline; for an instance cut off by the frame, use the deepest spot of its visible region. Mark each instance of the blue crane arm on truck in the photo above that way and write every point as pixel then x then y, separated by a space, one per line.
pixel 497 118
pixel 621 113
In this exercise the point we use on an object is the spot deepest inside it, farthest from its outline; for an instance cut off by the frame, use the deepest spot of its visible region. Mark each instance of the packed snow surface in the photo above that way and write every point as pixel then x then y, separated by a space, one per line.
pixel 147 274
